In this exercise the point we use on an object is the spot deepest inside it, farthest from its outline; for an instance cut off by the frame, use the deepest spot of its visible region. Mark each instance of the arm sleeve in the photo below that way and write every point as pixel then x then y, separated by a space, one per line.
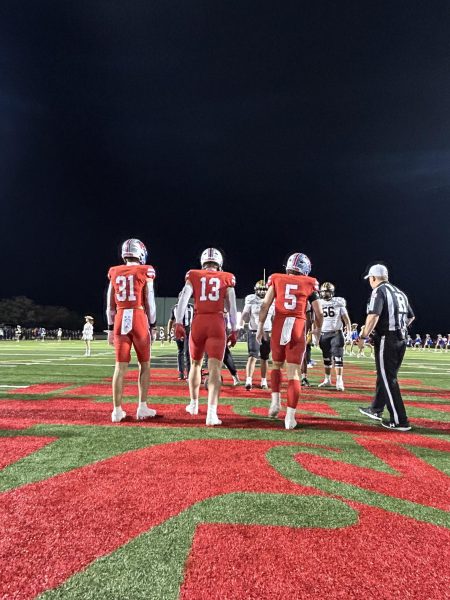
pixel 110 305
pixel 150 304
pixel 183 300
pixel 246 313
pixel 231 305
pixel 376 303
pixel 314 296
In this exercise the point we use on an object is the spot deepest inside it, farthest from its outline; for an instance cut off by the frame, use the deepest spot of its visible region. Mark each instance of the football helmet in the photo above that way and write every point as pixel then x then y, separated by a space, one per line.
pixel 299 263
pixel 211 255
pixel 134 248
pixel 260 288
pixel 327 290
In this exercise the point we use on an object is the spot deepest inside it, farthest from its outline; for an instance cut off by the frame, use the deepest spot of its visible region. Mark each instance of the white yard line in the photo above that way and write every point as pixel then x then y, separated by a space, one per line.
pixel 14 386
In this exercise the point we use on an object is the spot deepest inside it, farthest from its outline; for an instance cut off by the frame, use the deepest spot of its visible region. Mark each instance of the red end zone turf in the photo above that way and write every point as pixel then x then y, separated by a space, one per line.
pixel 57 526
pixel 377 558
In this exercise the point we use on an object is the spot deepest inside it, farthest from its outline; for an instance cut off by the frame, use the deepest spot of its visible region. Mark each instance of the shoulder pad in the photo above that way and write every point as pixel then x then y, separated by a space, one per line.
pixel 340 301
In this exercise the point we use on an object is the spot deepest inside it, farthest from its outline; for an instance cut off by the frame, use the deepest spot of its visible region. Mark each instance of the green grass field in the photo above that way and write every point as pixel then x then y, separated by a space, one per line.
pixel 168 508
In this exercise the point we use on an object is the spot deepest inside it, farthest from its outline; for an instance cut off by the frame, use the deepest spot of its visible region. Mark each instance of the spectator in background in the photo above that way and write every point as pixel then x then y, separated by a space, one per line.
pixel 88 333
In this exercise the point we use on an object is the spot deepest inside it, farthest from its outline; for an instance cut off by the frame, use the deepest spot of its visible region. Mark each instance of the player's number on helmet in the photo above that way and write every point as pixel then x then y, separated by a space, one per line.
pixel 290 300
pixel 125 288
pixel 214 293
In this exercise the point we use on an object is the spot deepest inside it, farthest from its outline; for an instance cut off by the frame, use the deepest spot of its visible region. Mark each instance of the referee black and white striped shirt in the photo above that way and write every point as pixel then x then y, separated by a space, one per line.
pixel 188 315
pixel 392 306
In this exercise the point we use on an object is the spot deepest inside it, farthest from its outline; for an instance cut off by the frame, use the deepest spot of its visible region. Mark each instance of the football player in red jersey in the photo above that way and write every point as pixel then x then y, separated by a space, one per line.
pixel 213 291
pixel 131 312
pixel 291 292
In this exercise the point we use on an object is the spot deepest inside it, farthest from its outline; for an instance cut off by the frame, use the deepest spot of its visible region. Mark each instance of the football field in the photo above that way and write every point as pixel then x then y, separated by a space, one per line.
pixel 168 508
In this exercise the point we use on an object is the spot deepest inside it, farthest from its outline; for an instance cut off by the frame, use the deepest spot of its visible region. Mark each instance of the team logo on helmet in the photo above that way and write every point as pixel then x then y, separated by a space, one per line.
pixel 260 288
pixel 211 255
pixel 134 248
pixel 327 290
pixel 299 263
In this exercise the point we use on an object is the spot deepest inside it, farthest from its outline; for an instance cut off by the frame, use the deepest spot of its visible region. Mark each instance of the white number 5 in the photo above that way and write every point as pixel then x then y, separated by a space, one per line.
pixel 288 296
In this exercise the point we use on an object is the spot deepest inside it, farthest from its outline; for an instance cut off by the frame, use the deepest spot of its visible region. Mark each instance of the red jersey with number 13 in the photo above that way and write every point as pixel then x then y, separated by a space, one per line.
pixel 292 293
pixel 128 282
pixel 210 289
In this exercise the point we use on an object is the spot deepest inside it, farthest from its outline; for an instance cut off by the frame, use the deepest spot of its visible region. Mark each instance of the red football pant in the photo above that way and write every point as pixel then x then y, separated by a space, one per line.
pixel 138 337
pixel 294 351
pixel 208 335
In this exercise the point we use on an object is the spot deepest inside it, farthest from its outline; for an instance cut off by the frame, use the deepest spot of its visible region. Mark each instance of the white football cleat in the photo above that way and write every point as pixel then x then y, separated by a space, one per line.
pixel 340 386
pixel 236 380
pixel 118 415
pixel 264 385
pixel 192 408
pixel 290 422
pixel 144 412
pixel 274 409
pixel 325 383
pixel 212 420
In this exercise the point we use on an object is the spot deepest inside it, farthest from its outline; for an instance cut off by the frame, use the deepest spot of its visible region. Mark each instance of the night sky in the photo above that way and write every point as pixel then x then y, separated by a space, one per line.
pixel 262 128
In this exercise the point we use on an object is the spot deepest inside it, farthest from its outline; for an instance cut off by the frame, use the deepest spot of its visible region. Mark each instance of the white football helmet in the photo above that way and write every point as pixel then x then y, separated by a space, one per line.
pixel 134 248
pixel 299 263
pixel 211 255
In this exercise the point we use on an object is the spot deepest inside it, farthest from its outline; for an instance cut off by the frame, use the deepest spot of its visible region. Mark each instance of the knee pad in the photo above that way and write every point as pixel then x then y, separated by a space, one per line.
pixel 338 361
pixel 327 361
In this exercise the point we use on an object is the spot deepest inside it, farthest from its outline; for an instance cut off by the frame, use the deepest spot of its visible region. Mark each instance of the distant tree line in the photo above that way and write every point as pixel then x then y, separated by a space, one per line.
pixel 20 310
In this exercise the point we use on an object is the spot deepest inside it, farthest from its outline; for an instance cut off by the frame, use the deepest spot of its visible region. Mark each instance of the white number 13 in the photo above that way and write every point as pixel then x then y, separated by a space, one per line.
pixel 214 294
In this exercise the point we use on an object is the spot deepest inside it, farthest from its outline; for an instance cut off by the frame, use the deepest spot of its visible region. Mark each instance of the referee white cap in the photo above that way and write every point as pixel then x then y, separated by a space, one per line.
pixel 377 271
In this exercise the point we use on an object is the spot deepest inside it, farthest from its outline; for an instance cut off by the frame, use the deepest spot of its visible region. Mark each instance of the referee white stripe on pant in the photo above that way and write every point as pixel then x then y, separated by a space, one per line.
pixel 386 383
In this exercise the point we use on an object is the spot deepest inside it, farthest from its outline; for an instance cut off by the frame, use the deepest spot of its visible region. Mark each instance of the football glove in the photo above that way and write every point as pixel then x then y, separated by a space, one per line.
pixel 180 331
pixel 232 338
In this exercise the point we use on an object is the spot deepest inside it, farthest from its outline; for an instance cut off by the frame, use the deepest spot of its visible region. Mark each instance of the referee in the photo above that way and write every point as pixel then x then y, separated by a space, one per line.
pixel 388 316
pixel 183 356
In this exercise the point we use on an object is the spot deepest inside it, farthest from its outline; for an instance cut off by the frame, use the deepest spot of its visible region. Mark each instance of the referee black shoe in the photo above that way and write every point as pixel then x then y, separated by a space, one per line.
pixel 370 412
pixel 393 426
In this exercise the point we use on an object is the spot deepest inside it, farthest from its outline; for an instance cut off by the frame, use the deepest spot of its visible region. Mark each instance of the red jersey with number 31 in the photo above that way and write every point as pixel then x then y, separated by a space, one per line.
pixel 128 282
pixel 210 289
pixel 292 293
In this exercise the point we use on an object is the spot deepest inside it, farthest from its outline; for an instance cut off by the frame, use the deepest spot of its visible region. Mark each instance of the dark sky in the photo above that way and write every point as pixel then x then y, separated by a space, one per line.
pixel 262 128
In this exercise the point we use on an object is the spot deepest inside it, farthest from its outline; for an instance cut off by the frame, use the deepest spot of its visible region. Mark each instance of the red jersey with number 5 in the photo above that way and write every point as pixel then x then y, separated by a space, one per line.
pixel 128 282
pixel 210 289
pixel 292 293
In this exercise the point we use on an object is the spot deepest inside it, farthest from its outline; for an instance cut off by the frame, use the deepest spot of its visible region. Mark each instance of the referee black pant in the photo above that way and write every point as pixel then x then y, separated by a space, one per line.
pixel 389 353
pixel 183 356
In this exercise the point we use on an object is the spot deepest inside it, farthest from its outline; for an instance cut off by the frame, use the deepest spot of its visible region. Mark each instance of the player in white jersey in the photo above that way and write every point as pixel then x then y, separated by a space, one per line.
pixel 250 315
pixel 59 334
pixel 88 333
pixel 335 316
